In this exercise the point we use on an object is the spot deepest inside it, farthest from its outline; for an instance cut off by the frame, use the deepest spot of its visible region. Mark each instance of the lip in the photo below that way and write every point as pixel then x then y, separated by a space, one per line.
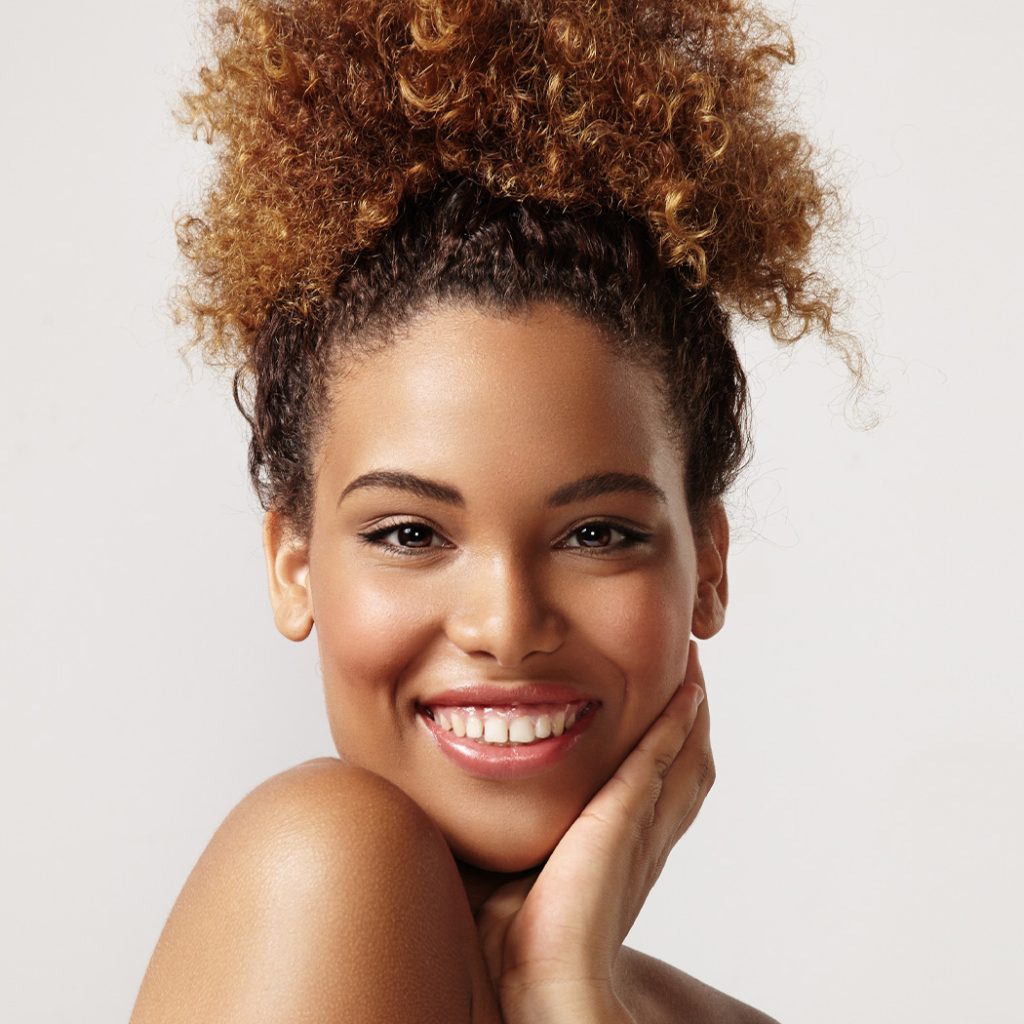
pixel 514 694
pixel 514 761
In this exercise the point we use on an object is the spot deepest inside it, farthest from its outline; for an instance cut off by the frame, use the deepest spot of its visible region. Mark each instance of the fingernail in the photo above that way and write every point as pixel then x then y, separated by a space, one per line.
pixel 699 697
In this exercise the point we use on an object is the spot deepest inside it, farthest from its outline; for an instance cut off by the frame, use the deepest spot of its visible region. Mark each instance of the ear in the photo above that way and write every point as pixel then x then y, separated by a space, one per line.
pixel 712 541
pixel 288 575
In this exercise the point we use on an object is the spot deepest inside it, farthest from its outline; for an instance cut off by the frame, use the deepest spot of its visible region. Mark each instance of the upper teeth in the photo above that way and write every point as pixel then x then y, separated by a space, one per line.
pixel 508 725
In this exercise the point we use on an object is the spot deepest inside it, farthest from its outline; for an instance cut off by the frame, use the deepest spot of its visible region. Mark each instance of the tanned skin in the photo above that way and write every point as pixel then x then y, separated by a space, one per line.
pixel 390 885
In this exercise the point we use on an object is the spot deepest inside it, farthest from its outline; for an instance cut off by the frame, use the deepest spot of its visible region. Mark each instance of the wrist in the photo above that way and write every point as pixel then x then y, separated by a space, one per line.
pixel 575 1002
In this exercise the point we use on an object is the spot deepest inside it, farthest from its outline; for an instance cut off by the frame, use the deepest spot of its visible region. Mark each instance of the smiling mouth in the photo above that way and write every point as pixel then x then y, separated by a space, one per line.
pixel 510 725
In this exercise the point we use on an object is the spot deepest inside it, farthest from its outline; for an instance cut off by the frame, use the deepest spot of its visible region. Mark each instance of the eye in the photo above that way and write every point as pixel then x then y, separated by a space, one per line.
pixel 598 536
pixel 410 536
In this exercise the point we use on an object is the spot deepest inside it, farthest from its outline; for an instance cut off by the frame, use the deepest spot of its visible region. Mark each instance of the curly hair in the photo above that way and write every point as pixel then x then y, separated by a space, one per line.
pixel 629 158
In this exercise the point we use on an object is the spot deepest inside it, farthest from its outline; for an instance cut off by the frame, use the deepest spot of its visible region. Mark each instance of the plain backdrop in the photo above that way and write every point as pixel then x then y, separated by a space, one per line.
pixel 859 858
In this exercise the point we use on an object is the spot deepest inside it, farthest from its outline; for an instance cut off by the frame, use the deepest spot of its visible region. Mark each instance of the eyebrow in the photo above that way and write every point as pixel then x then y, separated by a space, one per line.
pixel 579 490
pixel 396 480
pixel 605 483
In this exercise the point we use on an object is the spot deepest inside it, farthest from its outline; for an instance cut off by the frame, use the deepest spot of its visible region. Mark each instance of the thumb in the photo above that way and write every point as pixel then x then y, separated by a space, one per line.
pixel 494 917
pixel 505 901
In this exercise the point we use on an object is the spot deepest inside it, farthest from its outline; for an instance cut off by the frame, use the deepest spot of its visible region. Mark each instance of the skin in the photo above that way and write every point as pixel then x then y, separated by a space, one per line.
pixel 388 884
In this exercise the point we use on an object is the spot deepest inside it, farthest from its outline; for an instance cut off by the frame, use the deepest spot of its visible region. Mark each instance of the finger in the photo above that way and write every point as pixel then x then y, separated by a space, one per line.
pixel 684 794
pixel 494 916
pixel 691 776
pixel 634 789
pixel 506 901
pixel 663 741
pixel 660 747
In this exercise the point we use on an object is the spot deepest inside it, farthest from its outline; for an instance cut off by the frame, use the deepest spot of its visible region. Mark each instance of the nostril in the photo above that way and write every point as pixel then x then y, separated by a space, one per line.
pixel 506 622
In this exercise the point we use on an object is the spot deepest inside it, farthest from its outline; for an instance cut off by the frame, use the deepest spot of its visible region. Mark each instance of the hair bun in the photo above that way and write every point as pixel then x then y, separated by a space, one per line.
pixel 326 114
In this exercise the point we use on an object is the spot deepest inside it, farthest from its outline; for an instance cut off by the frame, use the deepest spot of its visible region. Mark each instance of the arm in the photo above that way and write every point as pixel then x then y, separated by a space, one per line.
pixel 657 993
pixel 326 895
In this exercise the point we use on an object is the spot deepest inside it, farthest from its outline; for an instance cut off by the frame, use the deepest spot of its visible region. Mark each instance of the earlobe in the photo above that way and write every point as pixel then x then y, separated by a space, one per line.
pixel 288 577
pixel 712 574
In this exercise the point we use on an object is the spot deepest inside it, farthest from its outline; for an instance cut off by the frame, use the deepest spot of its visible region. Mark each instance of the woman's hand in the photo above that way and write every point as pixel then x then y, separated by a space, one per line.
pixel 551 939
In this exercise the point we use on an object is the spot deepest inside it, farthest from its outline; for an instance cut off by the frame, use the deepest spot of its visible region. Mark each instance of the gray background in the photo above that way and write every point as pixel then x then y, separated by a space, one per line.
pixel 859 857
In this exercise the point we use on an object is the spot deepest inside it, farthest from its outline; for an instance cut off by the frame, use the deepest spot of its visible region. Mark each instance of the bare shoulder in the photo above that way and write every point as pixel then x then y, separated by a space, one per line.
pixel 325 802
pixel 658 993
pixel 316 900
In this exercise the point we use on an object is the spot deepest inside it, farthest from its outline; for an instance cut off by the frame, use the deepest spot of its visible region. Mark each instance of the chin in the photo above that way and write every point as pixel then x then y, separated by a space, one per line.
pixel 494 846
pixel 507 859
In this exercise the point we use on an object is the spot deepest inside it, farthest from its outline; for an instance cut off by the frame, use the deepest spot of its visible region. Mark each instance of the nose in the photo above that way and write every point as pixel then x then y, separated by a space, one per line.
pixel 503 611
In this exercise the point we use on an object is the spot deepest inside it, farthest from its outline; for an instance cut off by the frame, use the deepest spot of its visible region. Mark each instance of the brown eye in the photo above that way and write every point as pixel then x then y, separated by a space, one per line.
pixel 597 535
pixel 408 538
pixel 600 536
pixel 414 535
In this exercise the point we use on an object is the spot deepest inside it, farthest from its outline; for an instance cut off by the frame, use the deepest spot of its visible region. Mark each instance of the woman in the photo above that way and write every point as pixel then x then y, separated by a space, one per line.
pixel 472 264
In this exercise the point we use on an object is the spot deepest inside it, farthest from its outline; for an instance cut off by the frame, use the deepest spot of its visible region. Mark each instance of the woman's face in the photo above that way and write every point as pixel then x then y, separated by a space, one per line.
pixel 500 544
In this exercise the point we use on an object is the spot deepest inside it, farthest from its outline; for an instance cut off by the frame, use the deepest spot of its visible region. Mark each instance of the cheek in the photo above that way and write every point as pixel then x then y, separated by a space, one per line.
pixel 367 619
pixel 369 629
pixel 643 627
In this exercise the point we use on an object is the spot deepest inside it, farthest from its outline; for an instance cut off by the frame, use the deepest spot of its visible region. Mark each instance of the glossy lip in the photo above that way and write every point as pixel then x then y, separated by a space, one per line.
pixel 515 761
pixel 494 695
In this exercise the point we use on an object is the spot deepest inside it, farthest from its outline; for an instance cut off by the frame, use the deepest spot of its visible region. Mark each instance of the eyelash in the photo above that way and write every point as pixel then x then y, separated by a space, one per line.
pixel 375 538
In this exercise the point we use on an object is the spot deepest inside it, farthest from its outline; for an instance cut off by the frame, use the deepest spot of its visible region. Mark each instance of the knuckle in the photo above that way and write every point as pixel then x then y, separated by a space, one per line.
pixel 640 834
pixel 663 762
pixel 709 772
pixel 645 832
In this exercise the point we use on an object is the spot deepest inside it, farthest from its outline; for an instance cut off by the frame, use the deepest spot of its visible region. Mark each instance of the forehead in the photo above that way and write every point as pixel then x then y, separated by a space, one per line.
pixel 527 398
